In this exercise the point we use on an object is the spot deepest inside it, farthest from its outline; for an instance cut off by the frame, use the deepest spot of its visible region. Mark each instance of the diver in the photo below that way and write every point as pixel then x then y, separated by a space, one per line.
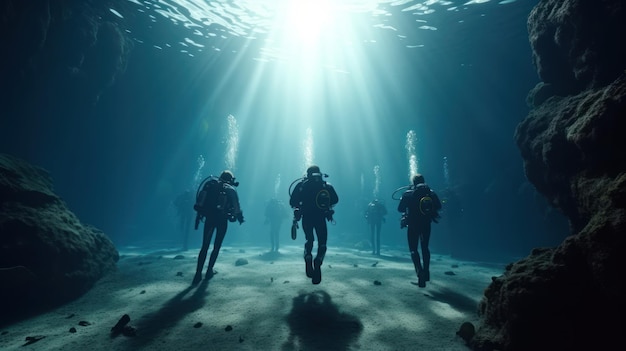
pixel 217 202
pixel 375 216
pixel 312 200
pixel 184 211
pixel 419 206
pixel 275 215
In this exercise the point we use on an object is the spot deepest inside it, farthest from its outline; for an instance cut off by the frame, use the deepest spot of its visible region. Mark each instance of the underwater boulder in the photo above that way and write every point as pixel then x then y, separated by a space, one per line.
pixel 47 256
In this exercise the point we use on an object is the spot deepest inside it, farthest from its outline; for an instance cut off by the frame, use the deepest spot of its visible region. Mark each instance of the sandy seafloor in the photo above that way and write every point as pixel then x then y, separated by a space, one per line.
pixel 364 302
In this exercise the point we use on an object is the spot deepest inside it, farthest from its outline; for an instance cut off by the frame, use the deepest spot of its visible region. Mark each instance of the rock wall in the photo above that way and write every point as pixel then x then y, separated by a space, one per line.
pixel 47 256
pixel 570 297
pixel 70 50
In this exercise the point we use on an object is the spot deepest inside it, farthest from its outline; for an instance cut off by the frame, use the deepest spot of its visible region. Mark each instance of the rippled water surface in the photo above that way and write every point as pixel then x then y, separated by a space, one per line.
pixel 282 30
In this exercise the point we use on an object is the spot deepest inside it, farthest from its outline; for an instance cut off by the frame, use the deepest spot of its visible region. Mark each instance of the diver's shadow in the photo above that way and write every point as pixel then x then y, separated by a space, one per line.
pixel 172 311
pixel 317 324
pixel 270 256
pixel 456 300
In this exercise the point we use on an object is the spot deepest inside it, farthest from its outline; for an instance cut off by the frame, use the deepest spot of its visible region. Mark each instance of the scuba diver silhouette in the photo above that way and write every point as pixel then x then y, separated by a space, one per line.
pixel 312 199
pixel 217 202
pixel 275 214
pixel 375 216
pixel 419 206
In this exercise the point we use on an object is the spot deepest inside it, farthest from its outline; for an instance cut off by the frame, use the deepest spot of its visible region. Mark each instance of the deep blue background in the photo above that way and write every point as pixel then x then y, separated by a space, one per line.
pixel 120 162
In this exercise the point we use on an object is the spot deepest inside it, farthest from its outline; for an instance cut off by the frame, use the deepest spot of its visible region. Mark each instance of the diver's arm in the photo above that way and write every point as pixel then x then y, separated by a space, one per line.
pixel 334 198
pixel 402 205
pixel 233 199
pixel 436 200
pixel 295 199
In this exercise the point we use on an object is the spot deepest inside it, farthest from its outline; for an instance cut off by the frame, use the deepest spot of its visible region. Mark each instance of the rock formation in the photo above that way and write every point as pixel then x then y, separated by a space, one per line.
pixel 570 297
pixel 47 256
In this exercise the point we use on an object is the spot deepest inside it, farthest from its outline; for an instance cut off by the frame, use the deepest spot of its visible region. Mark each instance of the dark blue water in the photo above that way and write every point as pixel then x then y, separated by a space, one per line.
pixel 120 161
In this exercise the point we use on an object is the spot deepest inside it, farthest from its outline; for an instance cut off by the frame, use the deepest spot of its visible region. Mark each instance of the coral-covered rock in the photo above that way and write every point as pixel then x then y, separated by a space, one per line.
pixel 47 256
pixel 570 297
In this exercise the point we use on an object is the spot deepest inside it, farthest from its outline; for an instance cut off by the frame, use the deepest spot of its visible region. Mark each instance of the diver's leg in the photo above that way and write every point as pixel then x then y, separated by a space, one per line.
pixel 425 238
pixel 378 238
pixel 206 241
pixel 373 237
pixel 413 239
pixel 307 228
pixel 272 243
pixel 277 236
pixel 217 245
pixel 322 237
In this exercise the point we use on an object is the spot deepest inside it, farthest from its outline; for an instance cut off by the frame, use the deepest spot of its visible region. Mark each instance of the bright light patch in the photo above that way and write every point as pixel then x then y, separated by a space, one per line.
pixel 427 27
pixel 445 311
pixel 116 13
pixel 306 19
pixel 476 2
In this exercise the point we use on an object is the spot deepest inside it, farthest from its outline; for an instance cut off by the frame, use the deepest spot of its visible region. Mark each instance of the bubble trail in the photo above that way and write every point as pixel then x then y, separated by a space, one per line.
pixel 362 183
pixel 232 144
pixel 276 185
pixel 198 175
pixel 308 148
pixel 446 173
pixel 411 154
pixel 377 181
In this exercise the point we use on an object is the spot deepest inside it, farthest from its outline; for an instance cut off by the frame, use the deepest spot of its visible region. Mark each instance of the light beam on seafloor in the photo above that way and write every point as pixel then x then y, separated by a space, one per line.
pixel 411 139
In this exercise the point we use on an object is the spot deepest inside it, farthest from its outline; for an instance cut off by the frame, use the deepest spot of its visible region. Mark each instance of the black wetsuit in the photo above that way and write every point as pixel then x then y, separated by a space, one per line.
pixel 314 198
pixel 375 214
pixel 217 221
pixel 419 226
pixel 275 214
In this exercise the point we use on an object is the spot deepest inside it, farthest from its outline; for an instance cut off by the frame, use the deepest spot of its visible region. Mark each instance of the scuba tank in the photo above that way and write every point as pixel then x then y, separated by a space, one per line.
pixel 210 197
pixel 397 195
pixel 201 194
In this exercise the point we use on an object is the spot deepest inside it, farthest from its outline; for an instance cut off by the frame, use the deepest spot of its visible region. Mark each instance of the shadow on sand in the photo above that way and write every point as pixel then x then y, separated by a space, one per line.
pixel 458 301
pixel 317 324
pixel 270 256
pixel 152 324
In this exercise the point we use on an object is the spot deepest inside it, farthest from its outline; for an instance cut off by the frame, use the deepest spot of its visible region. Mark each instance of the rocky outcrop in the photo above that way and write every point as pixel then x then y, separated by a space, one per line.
pixel 77 42
pixel 47 256
pixel 570 297
pixel 577 45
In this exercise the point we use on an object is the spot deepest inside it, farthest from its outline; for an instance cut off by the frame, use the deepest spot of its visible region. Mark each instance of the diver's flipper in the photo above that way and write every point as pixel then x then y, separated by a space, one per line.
pixel 308 263
pixel 317 272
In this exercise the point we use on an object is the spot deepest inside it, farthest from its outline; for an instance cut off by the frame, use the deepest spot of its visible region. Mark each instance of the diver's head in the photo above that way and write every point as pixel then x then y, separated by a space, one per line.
pixel 418 179
pixel 228 177
pixel 313 171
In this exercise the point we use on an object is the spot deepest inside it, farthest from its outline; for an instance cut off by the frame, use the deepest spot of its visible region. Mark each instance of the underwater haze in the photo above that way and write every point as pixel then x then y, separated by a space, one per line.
pixel 372 91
